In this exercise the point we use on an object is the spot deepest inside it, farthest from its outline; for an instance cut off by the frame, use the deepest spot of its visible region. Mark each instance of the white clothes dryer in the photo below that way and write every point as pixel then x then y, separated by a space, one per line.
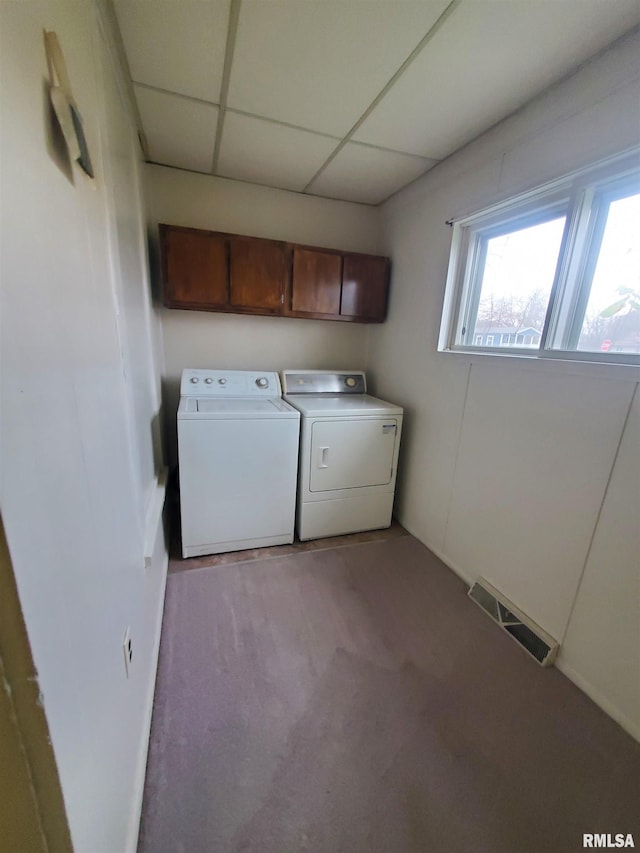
pixel 348 452
pixel 238 456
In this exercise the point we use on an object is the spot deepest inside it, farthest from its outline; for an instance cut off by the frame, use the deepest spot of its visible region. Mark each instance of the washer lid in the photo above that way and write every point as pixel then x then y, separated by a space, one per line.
pixel 341 405
pixel 208 408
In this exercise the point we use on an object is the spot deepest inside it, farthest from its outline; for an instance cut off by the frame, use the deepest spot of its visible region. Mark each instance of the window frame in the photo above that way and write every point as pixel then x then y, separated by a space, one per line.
pixel 583 197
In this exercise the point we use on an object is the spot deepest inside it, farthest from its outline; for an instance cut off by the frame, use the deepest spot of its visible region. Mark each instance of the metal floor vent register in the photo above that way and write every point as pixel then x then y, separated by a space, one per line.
pixel 524 631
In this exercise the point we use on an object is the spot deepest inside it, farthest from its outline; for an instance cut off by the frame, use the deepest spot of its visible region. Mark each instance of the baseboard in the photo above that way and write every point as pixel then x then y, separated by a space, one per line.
pixel 464 576
pixel 632 728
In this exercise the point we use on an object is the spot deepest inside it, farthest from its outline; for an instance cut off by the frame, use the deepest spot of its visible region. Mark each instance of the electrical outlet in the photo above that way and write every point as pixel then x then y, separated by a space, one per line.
pixel 127 648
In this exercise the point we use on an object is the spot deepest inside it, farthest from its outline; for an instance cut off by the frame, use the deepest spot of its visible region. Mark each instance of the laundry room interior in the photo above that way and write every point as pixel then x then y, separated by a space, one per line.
pixel 337 691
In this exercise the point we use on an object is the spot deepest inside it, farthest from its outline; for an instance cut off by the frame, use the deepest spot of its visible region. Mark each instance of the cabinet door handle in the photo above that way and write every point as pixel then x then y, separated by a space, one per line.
pixel 323 457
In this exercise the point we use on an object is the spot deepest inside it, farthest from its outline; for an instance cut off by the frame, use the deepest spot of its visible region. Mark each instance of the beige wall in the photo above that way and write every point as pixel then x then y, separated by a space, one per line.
pixel 601 648
pixel 509 468
pixel 80 393
pixel 198 339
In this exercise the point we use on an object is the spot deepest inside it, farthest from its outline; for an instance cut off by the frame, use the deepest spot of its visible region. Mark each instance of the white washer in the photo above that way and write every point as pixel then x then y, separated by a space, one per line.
pixel 348 452
pixel 238 456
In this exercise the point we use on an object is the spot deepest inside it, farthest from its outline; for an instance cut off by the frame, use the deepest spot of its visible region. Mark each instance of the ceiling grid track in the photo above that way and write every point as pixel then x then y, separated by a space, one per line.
pixel 162 91
pixel 234 17
pixel 365 115
pixel 282 123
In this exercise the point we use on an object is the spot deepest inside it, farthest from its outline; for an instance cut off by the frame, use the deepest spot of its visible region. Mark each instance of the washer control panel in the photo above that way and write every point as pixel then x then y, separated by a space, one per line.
pixel 324 382
pixel 229 383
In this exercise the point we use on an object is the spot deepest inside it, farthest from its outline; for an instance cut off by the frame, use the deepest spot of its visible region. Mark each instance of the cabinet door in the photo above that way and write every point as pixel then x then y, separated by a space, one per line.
pixel 365 286
pixel 316 282
pixel 258 273
pixel 196 268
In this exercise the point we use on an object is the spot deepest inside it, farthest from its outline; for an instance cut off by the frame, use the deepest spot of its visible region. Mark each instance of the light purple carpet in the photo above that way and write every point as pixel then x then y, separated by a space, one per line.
pixel 354 699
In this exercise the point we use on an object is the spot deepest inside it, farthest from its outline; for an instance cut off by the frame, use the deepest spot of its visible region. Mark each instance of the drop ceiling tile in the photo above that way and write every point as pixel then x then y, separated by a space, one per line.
pixel 272 154
pixel 368 175
pixel 488 59
pixel 180 132
pixel 320 64
pixel 178 46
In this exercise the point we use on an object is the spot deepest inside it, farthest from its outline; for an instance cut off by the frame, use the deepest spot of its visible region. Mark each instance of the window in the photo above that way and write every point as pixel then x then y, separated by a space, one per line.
pixel 554 272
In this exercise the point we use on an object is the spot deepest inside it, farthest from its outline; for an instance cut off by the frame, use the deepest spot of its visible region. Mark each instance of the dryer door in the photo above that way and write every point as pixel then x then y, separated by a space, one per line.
pixel 352 454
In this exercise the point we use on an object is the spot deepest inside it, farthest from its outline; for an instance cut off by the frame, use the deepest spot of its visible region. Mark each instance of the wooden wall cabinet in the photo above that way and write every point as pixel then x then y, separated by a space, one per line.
pixel 195 268
pixel 365 286
pixel 316 282
pixel 258 273
pixel 214 271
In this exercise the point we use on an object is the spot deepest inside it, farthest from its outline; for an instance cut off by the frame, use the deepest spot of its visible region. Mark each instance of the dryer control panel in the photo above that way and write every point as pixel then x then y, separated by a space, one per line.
pixel 229 383
pixel 324 382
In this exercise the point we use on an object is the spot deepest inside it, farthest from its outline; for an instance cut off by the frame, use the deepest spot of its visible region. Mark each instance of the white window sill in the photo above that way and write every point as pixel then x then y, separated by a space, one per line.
pixel 567 363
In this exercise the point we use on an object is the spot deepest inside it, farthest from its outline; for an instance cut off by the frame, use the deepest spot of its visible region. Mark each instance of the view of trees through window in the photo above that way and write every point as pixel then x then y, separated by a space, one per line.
pixel 518 273
pixel 612 317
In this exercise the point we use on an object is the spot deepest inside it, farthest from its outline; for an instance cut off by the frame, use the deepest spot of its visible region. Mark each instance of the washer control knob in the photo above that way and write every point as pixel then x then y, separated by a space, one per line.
pixel 262 382
pixel 351 382
pixel 222 381
pixel 195 380
pixel 208 380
